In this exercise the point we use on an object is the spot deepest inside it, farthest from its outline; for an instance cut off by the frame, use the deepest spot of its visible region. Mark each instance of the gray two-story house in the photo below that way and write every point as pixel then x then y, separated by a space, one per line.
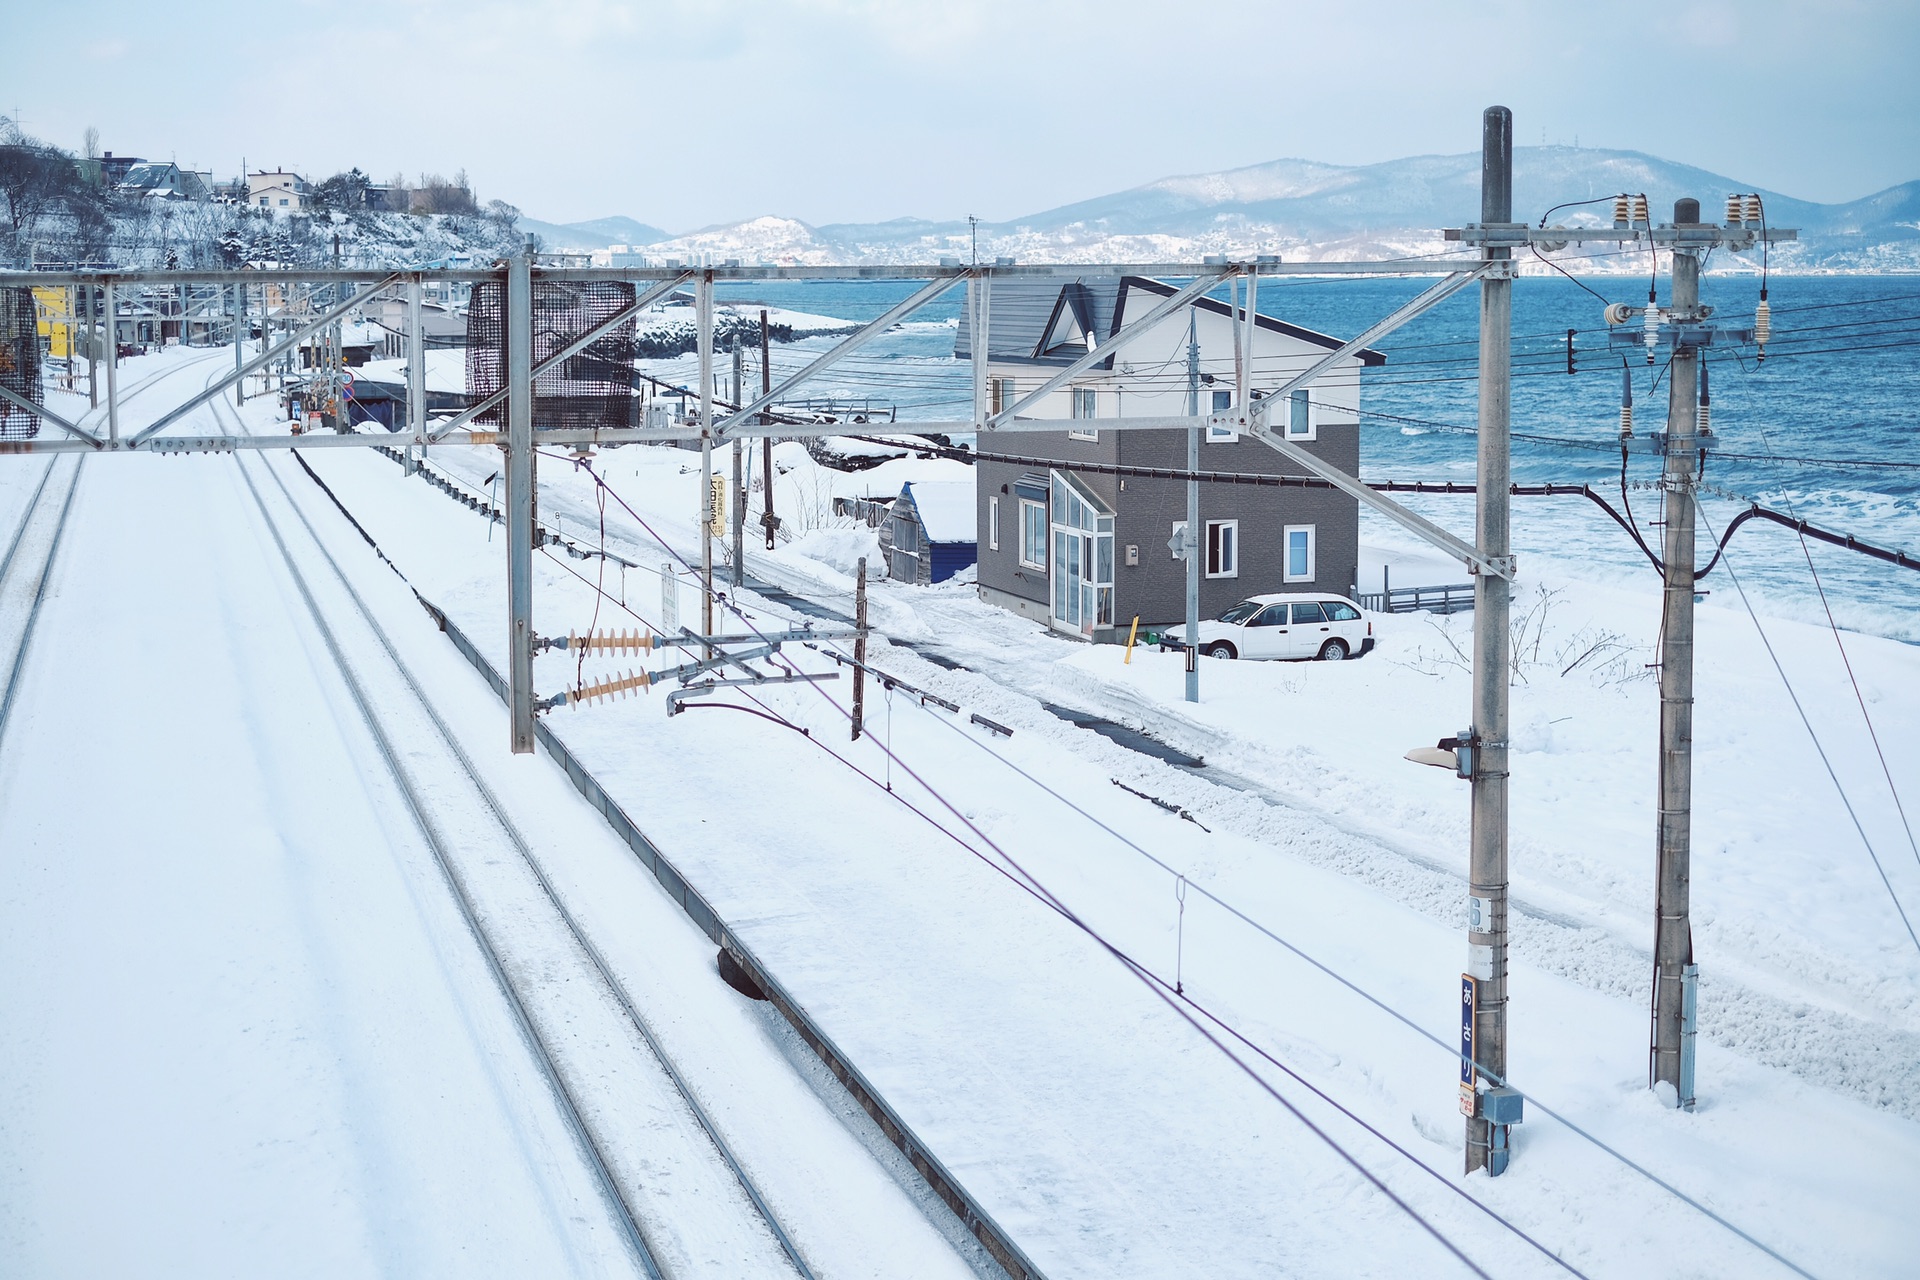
pixel 1087 551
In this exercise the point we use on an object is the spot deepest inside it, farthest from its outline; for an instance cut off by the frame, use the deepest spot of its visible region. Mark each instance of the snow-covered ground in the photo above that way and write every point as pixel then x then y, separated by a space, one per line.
pixel 1098 1126
pixel 291 1016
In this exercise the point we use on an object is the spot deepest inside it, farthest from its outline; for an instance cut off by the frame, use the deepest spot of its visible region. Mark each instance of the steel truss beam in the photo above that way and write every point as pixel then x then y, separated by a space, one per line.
pixel 41 411
pixel 260 361
pixel 847 346
pixel 573 348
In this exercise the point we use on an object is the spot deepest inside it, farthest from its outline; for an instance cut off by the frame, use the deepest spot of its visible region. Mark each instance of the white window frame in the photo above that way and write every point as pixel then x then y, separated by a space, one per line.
pixel 1286 552
pixel 1218 434
pixel 1042 528
pixel 1086 405
pixel 1302 395
pixel 993 522
pixel 1225 570
pixel 1002 394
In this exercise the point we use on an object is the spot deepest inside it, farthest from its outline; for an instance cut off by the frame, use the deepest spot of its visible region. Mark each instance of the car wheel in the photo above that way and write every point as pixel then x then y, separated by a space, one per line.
pixel 1333 651
pixel 1220 649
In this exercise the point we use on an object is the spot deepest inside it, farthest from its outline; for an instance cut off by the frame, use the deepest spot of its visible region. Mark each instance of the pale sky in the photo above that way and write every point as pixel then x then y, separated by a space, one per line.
pixel 684 113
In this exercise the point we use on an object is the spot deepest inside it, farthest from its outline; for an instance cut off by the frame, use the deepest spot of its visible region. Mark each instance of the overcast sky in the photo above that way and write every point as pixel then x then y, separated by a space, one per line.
pixel 684 113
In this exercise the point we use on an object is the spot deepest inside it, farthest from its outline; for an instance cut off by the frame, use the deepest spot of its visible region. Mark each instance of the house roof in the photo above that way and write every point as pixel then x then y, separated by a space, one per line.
pixel 946 509
pixel 1036 320
pixel 1366 355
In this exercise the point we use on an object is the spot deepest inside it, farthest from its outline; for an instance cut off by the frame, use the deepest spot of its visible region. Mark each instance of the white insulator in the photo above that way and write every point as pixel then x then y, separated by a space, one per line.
pixel 1618 313
pixel 1706 420
pixel 1626 422
pixel 1762 323
pixel 1622 210
pixel 1735 204
pixel 1640 210
pixel 1754 210
pixel 1650 330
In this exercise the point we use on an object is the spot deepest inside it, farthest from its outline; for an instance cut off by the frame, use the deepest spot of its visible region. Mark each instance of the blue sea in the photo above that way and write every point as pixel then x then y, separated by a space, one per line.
pixel 1825 427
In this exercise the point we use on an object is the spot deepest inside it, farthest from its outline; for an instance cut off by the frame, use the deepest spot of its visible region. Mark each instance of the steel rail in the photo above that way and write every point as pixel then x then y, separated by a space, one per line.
pixel 416 806
pixel 574 927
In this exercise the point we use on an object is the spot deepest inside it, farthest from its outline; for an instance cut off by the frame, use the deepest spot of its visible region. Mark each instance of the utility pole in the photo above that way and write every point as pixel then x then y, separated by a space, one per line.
pixel 1487 863
pixel 703 308
pixel 1190 544
pixel 1674 970
pixel 520 481
pixel 739 489
pixel 111 304
pixel 239 341
pixel 860 648
pixel 93 347
pixel 416 372
pixel 766 443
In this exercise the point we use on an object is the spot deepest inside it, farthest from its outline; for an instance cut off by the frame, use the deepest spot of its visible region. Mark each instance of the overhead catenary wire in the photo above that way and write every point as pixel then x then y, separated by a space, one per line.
pixel 1544 1107
pixel 1819 748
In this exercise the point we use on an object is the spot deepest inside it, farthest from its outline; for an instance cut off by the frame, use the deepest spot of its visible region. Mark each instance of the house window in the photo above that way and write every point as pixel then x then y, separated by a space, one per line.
pixel 993 523
pixel 1003 397
pixel 1086 404
pixel 263 199
pixel 1222 403
pixel 1033 535
pixel 283 202
pixel 1299 543
pixel 1082 570
pixel 1302 416
pixel 1223 548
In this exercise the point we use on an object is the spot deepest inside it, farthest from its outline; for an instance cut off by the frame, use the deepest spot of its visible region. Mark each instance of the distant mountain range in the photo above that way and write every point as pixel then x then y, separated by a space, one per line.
pixel 1308 211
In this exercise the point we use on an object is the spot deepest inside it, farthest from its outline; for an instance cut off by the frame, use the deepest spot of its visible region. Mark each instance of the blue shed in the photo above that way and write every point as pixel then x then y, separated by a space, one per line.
pixel 932 532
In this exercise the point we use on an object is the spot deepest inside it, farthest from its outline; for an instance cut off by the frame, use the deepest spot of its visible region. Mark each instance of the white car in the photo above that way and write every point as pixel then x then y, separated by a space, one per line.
pixel 1289 626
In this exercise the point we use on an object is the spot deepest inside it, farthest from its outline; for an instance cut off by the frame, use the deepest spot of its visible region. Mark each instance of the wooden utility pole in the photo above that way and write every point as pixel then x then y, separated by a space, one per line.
pixel 1487 858
pixel 860 648
pixel 1674 970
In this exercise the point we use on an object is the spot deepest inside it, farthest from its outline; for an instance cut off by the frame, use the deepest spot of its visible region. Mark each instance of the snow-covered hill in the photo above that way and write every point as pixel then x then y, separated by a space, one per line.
pixel 1303 209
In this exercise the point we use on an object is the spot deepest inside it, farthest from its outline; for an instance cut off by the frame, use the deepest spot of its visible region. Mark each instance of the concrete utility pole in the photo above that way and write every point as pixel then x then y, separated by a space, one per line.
pixel 1190 545
pixel 703 309
pixel 739 489
pixel 1487 862
pixel 93 348
pixel 520 481
pixel 1674 971
pixel 111 305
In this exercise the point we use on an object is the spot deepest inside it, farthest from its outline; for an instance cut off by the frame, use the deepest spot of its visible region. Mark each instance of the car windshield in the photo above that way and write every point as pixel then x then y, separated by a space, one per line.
pixel 1241 612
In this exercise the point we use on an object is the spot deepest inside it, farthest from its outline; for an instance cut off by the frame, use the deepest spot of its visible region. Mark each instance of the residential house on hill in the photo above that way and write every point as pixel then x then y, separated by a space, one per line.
pixel 1085 551
pixel 163 180
pixel 277 190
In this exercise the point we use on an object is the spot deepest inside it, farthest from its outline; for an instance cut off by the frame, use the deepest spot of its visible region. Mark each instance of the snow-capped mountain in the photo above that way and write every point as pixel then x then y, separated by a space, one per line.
pixel 1304 209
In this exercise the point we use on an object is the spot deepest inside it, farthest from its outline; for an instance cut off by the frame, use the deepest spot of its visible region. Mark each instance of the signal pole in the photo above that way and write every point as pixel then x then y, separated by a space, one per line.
pixel 1674 970
pixel 1190 545
pixel 703 308
pixel 739 500
pixel 519 515
pixel 1487 865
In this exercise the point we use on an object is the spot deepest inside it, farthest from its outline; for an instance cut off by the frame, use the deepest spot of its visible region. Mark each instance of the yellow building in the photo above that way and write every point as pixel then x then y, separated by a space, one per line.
pixel 54 310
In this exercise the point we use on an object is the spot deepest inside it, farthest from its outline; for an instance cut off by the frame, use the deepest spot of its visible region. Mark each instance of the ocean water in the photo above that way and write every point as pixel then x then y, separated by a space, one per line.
pixel 1826 427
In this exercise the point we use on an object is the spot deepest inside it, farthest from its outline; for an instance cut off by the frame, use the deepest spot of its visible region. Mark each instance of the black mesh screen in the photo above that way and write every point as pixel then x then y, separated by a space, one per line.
pixel 19 363
pixel 592 389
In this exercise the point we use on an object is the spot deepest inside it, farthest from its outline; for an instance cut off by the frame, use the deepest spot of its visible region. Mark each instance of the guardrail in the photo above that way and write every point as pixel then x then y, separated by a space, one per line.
pixel 1453 598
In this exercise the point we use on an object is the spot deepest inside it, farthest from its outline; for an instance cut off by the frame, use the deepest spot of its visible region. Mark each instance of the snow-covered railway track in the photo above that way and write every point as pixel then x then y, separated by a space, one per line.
pixel 26 566
pixel 602 1061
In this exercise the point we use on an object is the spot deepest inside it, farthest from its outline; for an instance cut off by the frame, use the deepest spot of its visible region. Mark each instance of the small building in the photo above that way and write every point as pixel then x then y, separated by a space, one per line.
pixel 162 180
pixel 277 190
pixel 929 534
pixel 114 169
pixel 1075 526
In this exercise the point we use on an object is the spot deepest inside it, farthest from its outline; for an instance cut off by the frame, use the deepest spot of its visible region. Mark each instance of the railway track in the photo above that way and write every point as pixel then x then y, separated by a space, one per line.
pixel 466 827
pixel 27 563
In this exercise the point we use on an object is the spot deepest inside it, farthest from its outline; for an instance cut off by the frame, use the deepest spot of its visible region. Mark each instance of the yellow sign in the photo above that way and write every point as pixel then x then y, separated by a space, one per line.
pixel 53 305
